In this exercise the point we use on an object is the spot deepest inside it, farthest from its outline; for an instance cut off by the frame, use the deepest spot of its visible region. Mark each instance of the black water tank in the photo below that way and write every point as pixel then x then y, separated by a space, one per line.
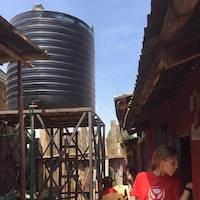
pixel 66 79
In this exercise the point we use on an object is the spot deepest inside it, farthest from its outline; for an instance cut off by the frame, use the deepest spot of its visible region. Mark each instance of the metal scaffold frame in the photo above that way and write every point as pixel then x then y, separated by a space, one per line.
pixel 65 124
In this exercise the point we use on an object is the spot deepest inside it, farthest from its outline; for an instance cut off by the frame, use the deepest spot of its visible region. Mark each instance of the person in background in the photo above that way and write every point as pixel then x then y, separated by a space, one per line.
pixel 129 180
pixel 160 183
pixel 107 186
pixel 111 193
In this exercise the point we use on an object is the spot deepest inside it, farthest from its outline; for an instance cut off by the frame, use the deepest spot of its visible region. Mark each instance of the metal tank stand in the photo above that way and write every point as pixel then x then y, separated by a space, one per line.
pixel 61 163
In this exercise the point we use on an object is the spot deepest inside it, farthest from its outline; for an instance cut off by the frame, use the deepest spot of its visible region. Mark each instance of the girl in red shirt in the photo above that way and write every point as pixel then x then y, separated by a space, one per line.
pixel 160 184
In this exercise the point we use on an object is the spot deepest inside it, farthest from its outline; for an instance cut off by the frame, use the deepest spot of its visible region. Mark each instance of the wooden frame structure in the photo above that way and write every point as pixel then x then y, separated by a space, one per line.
pixel 65 123
pixel 16 47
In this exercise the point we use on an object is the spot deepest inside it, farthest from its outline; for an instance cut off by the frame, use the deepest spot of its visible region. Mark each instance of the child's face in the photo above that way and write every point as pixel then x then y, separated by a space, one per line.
pixel 169 166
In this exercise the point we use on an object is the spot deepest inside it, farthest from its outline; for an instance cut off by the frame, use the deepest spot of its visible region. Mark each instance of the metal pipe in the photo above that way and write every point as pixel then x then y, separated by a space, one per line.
pixel 32 154
pixel 76 167
pixel 51 163
pixel 60 168
pixel 21 133
pixel 90 155
pixel 104 152
pixel 99 161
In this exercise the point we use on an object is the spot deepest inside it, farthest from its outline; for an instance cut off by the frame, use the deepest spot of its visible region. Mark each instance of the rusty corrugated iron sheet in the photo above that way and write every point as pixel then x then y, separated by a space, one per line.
pixel 121 106
pixel 151 41
pixel 114 140
pixel 159 54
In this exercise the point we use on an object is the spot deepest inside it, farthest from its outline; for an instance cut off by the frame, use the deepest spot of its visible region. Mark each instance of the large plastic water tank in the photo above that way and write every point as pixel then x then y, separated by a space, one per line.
pixel 2 90
pixel 66 79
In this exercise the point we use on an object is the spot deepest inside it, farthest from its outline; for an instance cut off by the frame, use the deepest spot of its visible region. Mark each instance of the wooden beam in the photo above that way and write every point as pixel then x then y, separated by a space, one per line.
pixel 5 58
pixel 11 56
pixel 10 53
pixel 178 13
pixel 34 56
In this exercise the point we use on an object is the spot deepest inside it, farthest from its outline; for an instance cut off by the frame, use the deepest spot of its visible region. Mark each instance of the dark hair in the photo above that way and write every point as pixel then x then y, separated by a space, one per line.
pixel 162 153
pixel 107 182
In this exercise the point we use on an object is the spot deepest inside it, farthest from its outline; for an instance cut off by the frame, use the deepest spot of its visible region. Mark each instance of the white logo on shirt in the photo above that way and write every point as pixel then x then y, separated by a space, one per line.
pixel 156 193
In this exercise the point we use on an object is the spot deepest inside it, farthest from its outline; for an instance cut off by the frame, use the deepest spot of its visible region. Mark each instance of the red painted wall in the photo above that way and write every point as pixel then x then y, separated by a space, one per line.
pixel 185 120
pixel 182 114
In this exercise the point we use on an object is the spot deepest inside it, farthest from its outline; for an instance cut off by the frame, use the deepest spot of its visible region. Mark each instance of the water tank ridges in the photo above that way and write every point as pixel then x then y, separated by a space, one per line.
pixel 2 90
pixel 66 79
pixel 2 77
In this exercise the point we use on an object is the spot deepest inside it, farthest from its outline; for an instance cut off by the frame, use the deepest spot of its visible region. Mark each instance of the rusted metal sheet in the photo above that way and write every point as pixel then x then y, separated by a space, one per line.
pixel 185 51
pixel 150 49
pixel 178 14
pixel 121 106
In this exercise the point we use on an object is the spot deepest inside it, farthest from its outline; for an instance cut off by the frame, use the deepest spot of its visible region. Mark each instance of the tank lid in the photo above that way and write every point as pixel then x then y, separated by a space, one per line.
pixel 38 7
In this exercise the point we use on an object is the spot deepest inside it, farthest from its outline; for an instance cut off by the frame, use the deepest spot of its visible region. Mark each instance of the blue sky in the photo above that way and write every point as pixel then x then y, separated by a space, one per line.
pixel 119 29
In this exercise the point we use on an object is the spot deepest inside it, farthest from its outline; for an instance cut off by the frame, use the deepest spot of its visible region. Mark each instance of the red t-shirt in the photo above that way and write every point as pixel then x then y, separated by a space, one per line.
pixel 109 190
pixel 148 186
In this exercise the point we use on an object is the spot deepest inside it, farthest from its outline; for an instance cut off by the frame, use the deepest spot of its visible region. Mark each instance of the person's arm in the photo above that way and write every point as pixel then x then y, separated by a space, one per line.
pixel 133 198
pixel 187 191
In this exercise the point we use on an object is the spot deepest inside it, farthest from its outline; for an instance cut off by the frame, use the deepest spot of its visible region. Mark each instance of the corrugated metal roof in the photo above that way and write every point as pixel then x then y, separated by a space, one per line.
pixel 151 41
pixel 168 25
pixel 15 46
pixel 150 45
pixel 121 105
